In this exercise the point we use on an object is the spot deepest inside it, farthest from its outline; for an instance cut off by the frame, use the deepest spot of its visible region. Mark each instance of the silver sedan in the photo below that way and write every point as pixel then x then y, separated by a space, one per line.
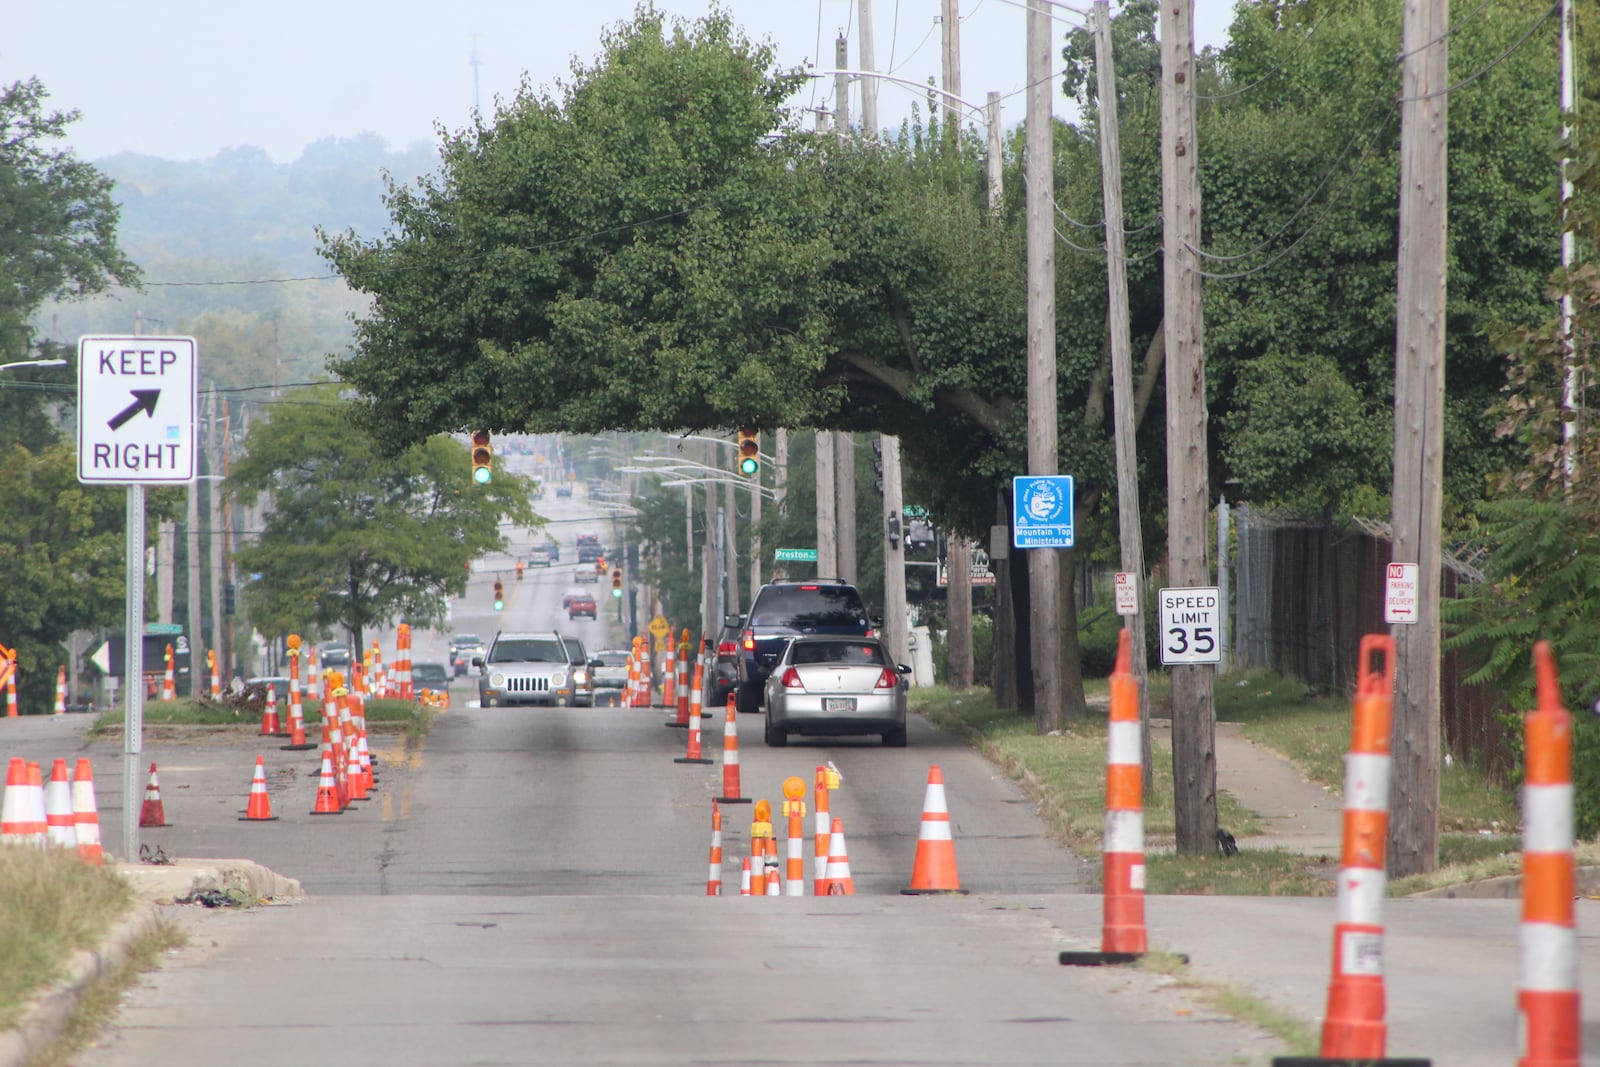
pixel 836 685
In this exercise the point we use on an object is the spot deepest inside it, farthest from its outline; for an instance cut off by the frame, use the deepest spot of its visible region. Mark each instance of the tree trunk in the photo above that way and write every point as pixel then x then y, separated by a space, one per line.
pixel 958 621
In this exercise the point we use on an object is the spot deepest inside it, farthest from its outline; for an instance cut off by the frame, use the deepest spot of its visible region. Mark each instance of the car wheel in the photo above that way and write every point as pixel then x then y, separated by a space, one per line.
pixel 895 738
pixel 776 737
pixel 749 698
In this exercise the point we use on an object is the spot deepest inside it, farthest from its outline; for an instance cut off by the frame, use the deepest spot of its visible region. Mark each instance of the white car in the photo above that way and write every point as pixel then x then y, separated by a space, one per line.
pixel 838 684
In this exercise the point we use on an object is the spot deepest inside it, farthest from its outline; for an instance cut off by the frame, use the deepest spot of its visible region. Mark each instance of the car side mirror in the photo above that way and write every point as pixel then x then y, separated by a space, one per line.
pixel 731 621
pixel 903 668
pixel 597 662
pixel 477 661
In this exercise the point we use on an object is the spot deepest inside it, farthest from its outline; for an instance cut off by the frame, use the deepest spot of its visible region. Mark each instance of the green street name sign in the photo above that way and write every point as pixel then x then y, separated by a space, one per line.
pixel 795 555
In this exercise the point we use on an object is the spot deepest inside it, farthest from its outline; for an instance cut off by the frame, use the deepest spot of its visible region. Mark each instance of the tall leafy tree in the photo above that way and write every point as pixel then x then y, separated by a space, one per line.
pixel 355 537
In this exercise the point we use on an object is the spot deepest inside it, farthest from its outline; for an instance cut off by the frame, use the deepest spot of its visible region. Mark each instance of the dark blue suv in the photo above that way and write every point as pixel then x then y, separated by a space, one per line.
pixel 782 610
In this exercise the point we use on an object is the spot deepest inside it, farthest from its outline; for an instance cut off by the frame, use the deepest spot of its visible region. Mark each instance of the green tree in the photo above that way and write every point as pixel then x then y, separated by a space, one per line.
pixel 357 538
pixel 57 219
pixel 63 560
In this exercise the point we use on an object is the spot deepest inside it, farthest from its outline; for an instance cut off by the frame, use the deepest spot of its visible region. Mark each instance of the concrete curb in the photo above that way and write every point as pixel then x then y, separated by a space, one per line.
pixel 46 1015
pixel 157 888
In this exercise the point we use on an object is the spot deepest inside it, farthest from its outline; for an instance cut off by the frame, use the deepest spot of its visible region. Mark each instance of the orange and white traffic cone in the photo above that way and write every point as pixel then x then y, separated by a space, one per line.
pixel 61 691
pixel 692 755
pixel 327 789
pixel 763 845
pixel 17 822
pixel 169 689
pixel 1353 1027
pixel 1548 1015
pixel 669 679
pixel 216 679
pixel 1123 938
pixel 795 859
pixel 774 882
pixel 684 701
pixel 744 878
pixel 270 727
pixel 11 691
pixel 86 814
pixel 827 780
pixel 38 816
pixel 680 702
pixel 60 828
pixel 838 882
pixel 259 807
pixel 730 757
pixel 153 813
pixel 714 874
pixel 934 868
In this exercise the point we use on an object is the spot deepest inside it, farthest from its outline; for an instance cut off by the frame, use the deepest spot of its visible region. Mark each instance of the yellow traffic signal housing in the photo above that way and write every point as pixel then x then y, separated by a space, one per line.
pixel 749 452
pixel 499 596
pixel 482 454
pixel 616 584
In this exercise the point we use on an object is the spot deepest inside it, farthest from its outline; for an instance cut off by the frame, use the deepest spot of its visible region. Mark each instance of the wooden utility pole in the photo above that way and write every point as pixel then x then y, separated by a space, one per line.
pixel 844 513
pixel 950 55
pixel 1129 534
pixel 1194 729
pixel 827 531
pixel 730 539
pixel 166 556
pixel 780 465
pixel 869 86
pixel 218 623
pixel 1044 564
pixel 958 608
pixel 196 619
pixel 895 633
pixel 1419 431
pixel 841 87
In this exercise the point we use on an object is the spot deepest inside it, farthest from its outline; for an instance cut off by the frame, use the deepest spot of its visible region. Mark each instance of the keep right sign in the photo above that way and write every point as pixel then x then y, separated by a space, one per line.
pixel 1400 593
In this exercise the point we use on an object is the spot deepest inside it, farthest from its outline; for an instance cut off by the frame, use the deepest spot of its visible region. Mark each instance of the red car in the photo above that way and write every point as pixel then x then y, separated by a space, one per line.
pixel 582 604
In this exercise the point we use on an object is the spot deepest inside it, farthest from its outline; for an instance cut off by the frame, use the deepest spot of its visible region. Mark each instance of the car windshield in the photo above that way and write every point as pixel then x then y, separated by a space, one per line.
pixel 466 639
pixel 612 659
pixel 429 672
pixel 519 650
pixel 854 652
pixel 808 605
pixel 575 650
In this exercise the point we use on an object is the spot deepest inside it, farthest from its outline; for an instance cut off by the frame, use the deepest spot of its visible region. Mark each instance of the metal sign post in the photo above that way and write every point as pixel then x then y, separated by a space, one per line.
pixel 133 676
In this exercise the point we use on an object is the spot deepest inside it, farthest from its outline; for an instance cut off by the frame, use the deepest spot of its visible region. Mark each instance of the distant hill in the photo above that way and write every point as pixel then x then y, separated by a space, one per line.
pixel 231 228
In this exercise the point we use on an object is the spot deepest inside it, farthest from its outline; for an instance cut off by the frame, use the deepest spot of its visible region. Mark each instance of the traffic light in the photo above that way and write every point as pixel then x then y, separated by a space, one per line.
pixel 499 596
pixel 600 565
pixel 616 584
pixel 481 455
pixel 749 452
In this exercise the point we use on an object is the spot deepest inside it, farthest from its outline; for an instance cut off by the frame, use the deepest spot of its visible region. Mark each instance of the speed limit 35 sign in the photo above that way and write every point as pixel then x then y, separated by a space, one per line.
pixel 1191 625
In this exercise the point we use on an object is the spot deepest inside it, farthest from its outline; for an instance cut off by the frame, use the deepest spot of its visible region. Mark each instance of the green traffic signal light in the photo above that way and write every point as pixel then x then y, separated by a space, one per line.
pixel 749 451
pixel 499 605
pixel 482 473
pixel 748 466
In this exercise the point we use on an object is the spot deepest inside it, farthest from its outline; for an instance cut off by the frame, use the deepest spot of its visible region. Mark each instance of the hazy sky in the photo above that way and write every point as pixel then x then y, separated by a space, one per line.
pixel 183 79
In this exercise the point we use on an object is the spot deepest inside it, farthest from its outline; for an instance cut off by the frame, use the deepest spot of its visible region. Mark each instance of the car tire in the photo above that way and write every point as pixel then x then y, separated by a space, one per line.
pixel 895 738
pixel 749 698
pixel 776 737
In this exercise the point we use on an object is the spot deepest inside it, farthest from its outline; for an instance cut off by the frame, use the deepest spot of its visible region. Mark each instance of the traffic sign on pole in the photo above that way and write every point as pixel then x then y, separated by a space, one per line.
pixel 1041 511
pixel 137 410
pixel 1191 623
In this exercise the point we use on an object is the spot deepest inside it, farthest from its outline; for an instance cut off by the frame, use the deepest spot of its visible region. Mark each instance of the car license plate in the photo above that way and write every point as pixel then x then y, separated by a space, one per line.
pixel 838 703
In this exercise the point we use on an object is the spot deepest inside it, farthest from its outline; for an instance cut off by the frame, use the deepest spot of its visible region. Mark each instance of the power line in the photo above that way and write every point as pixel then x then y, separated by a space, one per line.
pixel 1495 62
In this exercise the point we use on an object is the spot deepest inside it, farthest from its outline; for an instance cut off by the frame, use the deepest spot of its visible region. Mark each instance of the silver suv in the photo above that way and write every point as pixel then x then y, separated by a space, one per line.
pixel 525 668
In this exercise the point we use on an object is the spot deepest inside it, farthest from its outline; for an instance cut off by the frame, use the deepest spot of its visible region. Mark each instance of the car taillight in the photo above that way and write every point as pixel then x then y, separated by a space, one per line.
pixel 886 679
pixel 870 632
pixel 791 679
pixel 748 639
pixel 728 648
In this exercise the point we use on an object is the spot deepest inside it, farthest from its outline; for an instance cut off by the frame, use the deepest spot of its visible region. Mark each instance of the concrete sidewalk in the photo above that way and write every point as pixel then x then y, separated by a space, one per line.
pixel 1298 815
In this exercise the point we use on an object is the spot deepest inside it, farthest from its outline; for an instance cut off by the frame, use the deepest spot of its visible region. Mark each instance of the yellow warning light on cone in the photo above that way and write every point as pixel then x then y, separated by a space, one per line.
pixel 616 584
pixel 749 452
pixel 481 455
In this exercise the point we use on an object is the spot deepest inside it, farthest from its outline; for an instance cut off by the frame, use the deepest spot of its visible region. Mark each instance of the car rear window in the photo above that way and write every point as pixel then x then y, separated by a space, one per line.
pixel 808 605
pixel 523 649
pixel 853 652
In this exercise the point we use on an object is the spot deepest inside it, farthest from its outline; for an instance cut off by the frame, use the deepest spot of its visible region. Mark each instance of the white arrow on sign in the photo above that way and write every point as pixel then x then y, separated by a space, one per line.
pixel 102 658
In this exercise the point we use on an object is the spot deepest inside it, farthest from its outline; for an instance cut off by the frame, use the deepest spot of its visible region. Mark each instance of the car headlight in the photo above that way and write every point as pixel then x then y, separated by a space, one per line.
pixel 579 677
pixel 497 680
pixel 558 679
